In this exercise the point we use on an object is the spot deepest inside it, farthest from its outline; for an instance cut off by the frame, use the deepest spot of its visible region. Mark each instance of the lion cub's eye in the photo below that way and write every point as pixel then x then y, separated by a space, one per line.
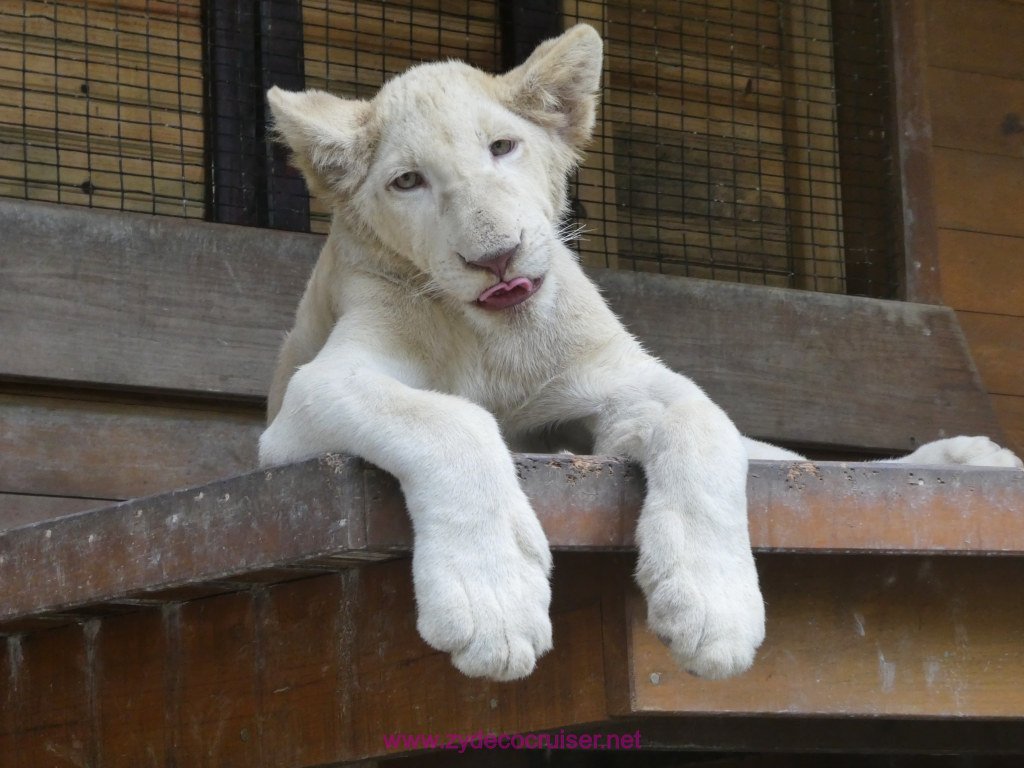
pixel 502 147
pixel 408 180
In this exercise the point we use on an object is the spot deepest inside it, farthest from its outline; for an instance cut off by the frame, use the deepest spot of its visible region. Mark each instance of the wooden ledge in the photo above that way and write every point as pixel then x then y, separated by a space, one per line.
pixel 199 309
pixel 897 632
pixel 331 512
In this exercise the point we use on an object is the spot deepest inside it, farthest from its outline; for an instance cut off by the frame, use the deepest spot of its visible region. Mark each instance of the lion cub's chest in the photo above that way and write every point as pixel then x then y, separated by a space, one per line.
pixel 505 378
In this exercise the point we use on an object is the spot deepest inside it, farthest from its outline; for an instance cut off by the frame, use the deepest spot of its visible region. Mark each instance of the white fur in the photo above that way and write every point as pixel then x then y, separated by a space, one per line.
pixel 393 358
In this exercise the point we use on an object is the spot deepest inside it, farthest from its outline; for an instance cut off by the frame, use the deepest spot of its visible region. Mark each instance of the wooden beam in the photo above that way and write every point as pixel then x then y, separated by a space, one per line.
pixel 198 308
pixel 330 512
pixel 264 589
pixel 913 145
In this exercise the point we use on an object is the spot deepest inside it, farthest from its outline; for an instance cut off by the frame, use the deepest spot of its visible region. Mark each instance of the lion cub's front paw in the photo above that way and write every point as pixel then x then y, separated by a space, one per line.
pixel 484 598
pixel 972 451
pixel 713 628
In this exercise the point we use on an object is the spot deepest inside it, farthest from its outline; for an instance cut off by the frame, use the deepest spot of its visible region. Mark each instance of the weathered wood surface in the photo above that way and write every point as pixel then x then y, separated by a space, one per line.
pixel 288 521
pixel 912 653
pixel 144 302
pixel 814 368
pixel 87 446
pixel 862 636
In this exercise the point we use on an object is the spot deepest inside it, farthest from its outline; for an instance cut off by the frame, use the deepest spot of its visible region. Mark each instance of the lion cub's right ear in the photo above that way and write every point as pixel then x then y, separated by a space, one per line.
pixel 327 136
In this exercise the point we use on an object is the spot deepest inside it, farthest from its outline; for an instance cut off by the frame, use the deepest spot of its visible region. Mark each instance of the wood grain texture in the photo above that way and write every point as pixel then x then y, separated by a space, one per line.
pixel 146 301
pixel 201 308
pixel 913 652
pixel 1010 410
pixel 970 111
pixel 998 345
pixel 104 449
pixel 328 513
pixel 982 272
pixel 913 150
pixel 793 365
pixel 979 192
pixel 863 636
pixel 976 36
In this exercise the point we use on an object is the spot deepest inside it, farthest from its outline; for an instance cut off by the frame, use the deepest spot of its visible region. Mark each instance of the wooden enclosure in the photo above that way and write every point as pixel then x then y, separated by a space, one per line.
pixel 251 619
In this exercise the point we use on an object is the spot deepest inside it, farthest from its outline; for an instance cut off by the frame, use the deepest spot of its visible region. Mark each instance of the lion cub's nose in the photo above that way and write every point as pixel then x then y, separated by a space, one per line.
pixel 496 262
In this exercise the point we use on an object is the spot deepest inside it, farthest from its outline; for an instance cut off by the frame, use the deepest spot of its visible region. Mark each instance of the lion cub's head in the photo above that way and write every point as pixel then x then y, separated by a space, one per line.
pixel 452 172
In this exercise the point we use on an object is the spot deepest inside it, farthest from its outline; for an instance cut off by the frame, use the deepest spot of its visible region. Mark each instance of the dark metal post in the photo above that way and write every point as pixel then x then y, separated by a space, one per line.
pixel 248 47
pixel 525 24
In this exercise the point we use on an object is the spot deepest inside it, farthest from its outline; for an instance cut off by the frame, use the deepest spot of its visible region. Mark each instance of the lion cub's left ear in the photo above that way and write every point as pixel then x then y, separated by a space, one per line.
pixel 557 85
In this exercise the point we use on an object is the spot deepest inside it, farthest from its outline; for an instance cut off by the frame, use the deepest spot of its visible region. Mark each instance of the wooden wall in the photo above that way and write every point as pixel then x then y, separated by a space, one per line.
pixel 975 81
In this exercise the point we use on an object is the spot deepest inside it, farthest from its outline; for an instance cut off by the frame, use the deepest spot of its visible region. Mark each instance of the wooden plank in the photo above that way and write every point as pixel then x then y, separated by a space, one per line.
pixel 50 677
pixel 982 272
pixel 218 669
pixel 913 151
pixel 862 637
pixel 112 310
pixel 979 192
pixel 17 509
pixel 1010 410
pixel 784 381
pixel 998 345
pixel 167 304
pixel 976 112
pixel 334 511
pixel 976 36
pixel 566 687
pixel 851 741
pixel 68 444
pixel 132 708
pixel 306 634
pixel 911 653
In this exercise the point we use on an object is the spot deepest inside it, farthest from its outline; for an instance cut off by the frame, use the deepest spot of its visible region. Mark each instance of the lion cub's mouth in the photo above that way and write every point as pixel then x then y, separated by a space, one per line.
pixel 508 294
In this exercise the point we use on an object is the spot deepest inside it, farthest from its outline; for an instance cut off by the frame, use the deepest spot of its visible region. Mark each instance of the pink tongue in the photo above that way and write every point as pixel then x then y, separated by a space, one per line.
pixel 503 293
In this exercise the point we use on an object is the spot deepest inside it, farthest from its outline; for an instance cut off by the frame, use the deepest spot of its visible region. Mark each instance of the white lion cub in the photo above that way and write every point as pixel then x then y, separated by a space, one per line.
pixel 447 321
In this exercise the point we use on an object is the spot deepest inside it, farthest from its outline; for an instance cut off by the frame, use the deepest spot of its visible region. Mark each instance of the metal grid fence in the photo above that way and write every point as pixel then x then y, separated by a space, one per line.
pixel 742 140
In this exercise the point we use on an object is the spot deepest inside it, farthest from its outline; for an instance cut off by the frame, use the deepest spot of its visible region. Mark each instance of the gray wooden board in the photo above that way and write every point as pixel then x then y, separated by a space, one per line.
pixel 144 301
pixel 125 300
pixel 334 511
pixel 78 447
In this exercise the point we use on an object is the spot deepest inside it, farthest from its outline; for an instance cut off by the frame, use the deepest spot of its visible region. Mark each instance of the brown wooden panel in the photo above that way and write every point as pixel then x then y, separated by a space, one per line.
pixel 52 682
pixel 277 524
pixel 1010 410
pixel 145 301
pixel 21 509
pixel 392 662
pixel 863 636
pixel 997 342
pixel 976 36
pixel 108 450
pixel 979 192
pixel 219 723
pixel 816 365
pixel 180 305
pixel 982 272
pixel 308 681
pixel 913 150
pixel 136 699
pixel 976 112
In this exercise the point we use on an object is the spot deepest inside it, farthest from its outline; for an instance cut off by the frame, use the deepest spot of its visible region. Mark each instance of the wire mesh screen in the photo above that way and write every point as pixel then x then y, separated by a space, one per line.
pixel 741 140
pixel 101 104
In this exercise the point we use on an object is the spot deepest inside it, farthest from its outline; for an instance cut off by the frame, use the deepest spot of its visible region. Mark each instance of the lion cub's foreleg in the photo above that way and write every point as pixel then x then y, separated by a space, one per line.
pixel 695 565
pixel 480 558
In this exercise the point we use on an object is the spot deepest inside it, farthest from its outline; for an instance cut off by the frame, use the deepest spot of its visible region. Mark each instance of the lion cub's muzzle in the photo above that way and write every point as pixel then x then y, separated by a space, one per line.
pixel 506 292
